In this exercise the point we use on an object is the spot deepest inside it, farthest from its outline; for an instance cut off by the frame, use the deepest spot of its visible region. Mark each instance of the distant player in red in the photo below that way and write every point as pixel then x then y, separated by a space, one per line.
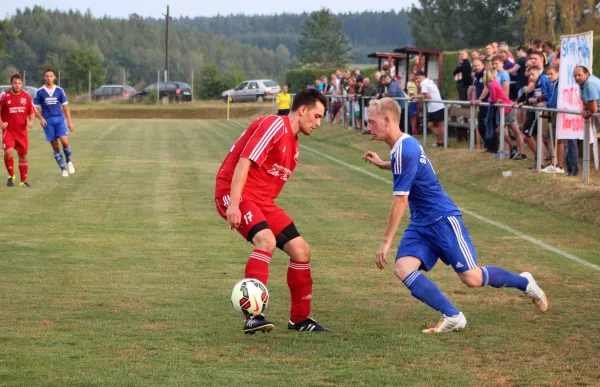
pixel 17 114
pixel 251 177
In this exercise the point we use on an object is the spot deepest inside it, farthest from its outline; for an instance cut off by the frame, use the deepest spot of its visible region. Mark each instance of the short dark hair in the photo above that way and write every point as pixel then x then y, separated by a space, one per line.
pixel 536 42
pixel 308 98
pixel 522 48
pixel 585 69
pixel 549 44
pixel 554 67
pixel 50 69
pixel 16 76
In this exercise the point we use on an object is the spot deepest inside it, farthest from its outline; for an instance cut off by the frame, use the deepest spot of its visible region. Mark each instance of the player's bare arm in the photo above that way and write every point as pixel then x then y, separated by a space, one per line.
pixel 234 215
pixel 38 114
pixel 68 117
pixel 30 120
pixel 374 159
pixel 398 207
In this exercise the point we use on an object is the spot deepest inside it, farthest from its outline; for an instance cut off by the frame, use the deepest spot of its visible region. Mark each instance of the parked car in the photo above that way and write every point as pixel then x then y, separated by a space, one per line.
pixel 30 90
pixel 253 90
pixel 169 91
pixel 108 92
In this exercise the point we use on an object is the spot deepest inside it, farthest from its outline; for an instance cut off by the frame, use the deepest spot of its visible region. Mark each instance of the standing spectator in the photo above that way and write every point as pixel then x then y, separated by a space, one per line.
pixel 542 88
pixel 462 75
pixel 284 101
pixel 497 95
pixel 318 84
pixel 556 59
pixel 475 55
pixel 356 72
pixel 537 46
pixel 589 90
pixel 501 75
pixel 489 51
pixel 548 49
pixel 412 90
pixel 435 110
pixel 495 48
pixel 478 86
pixel 503 47
pixel 369 91
pixel 395 91
pixel 552 73
pixel 521 79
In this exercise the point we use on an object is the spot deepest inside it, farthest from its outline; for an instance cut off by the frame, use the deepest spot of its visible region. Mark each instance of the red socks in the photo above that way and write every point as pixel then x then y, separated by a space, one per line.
pixel 23 168
pixel 300 283
pixel 258 266
pixel 10 165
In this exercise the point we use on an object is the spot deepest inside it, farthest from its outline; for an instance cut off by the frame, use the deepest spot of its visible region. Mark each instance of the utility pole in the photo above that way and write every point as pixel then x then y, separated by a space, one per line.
pixel 167 19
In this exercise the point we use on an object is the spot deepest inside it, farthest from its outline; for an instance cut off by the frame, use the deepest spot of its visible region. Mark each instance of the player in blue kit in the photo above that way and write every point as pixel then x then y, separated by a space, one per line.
pixel 436 230
pixel 53 101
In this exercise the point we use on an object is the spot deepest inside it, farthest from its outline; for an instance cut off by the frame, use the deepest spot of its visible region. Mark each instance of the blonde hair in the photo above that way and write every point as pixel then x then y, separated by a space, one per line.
pixel 490 75
pixel 386 107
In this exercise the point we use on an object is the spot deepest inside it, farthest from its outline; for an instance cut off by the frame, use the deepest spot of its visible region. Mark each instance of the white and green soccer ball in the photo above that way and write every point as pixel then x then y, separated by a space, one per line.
pixel 250 296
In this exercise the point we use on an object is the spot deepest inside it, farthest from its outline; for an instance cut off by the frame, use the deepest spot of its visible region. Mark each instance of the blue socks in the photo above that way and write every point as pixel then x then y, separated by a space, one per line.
pixel 424 290
pixel 67 151
pixel 59 160
pixel 499 278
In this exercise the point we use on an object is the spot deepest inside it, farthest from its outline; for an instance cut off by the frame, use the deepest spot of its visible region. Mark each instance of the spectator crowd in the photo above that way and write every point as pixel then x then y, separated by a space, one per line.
pixel 527 77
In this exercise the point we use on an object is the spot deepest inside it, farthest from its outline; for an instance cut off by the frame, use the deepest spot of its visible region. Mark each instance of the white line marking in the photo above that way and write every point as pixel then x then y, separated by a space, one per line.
pixel 536 242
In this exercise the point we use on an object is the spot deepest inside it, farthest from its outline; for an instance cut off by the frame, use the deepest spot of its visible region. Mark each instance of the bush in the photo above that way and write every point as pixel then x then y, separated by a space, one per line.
pixel 298 79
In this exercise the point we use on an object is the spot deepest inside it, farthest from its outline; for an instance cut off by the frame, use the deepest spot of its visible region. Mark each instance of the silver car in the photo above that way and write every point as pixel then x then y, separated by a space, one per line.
pixel 255 90
pixel 28 89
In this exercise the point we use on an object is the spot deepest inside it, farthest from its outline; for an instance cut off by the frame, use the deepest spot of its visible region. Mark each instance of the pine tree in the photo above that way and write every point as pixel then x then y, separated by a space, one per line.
pixel 322 42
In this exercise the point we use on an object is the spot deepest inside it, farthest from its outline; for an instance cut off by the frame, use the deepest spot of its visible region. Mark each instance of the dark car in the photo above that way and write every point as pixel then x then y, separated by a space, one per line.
pixel 108 92
pixel 169 91
pixel 28 89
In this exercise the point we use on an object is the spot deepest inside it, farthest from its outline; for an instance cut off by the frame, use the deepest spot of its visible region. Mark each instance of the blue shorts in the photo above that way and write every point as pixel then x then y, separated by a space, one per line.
pixel 447 239
pixel 55 128
pixel 412 109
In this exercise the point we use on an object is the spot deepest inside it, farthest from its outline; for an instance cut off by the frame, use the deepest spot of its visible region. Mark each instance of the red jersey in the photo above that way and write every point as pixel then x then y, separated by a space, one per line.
pixel 15 109
pixel 273 149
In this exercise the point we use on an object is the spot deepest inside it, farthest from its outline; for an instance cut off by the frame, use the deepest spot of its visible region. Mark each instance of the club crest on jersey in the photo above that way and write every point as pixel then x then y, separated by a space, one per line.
pixel 23 101
pixel 280 171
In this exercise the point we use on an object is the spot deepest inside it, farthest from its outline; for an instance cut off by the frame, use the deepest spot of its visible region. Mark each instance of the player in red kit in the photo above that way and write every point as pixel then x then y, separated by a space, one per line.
pixel 251 177
pixel 17 114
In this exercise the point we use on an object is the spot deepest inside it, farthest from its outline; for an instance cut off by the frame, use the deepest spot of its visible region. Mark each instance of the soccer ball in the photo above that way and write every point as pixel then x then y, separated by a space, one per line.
pixel 250 296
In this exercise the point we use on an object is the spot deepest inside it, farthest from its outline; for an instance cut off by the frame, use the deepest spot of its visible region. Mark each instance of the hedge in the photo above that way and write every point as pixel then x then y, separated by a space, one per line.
pixel 298 79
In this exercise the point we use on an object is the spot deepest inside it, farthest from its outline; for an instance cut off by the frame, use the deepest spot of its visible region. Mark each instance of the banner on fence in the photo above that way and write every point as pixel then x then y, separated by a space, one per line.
pixel 575 50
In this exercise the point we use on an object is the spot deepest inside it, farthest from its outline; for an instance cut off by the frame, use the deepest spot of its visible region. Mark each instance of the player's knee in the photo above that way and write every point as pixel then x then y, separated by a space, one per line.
pixel 471 281
pixel 8 154
pixel 401 270
pixel 265 242
pixel 300 251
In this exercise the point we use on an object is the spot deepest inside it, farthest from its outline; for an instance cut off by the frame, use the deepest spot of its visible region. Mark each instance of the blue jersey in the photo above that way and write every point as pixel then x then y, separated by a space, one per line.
pixel 414 176
pixel 51 101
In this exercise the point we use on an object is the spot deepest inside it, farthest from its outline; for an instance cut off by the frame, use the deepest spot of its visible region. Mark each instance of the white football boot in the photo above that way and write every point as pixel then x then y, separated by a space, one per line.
pixel 65 173
pixel 536 293
pixel 449 324
pixel 70 167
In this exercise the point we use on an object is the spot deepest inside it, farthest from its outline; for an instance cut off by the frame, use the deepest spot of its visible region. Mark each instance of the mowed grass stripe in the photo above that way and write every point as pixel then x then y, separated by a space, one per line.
pixel 125 300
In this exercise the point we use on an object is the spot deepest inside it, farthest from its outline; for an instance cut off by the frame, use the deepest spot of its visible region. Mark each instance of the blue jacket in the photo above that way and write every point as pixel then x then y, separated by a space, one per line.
pixel 546 85
pixel 553 100
pixel 395 91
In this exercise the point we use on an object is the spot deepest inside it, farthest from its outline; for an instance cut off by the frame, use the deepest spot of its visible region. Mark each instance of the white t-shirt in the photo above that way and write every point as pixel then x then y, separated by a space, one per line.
pixel 428 86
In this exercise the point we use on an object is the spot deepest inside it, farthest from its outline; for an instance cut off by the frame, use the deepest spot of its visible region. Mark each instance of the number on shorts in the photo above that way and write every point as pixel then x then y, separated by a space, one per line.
pixel 248 217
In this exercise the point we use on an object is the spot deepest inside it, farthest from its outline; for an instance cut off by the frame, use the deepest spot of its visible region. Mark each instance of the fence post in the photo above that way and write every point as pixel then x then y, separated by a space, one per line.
pixel 406 102
pixel 351 117
pixel 539 151
pixel 586 151
pixel 424 124
pixel 343 112
pixel 472 128
pixel 157 87
pixel 89 86
pixel 501 133
pixel 445 126
pixel 362 115
pixel 273 106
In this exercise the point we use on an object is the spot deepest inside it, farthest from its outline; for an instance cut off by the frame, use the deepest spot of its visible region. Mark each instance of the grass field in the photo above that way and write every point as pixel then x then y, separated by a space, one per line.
pixel 121 274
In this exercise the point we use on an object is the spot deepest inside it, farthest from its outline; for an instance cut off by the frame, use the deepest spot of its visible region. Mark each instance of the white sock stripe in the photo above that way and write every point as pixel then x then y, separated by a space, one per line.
pixel 303 266
pixel 411 278
pixel 262 144
pixel 260 259
pixel 487 276
pixel 259 255
pixel 461 242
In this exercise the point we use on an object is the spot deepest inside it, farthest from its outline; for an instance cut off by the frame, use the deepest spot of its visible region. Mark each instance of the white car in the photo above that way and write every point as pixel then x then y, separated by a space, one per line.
pixel 254 90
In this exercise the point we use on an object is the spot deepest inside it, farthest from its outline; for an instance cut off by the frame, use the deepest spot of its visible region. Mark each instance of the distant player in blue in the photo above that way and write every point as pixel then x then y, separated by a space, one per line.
pixel 436 230
pixel 53 101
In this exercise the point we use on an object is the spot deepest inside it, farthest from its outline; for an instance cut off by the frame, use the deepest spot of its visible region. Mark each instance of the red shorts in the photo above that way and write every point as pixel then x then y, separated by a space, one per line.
pixel 12 140
pixel 254 212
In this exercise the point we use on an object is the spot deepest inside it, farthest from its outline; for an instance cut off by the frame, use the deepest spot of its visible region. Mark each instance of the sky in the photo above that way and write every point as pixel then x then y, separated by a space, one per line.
pixel 191 8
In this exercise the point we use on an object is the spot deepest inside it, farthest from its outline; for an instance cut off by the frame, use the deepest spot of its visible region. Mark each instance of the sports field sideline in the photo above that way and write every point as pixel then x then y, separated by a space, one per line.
pixel 121 273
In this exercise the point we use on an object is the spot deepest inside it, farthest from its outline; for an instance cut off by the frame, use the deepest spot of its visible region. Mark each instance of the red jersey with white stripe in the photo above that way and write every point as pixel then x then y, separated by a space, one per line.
pixel 273 149
pixel 15 109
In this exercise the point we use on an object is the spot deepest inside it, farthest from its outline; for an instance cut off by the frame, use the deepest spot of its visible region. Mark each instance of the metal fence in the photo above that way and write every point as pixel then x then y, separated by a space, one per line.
pixel 588 127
